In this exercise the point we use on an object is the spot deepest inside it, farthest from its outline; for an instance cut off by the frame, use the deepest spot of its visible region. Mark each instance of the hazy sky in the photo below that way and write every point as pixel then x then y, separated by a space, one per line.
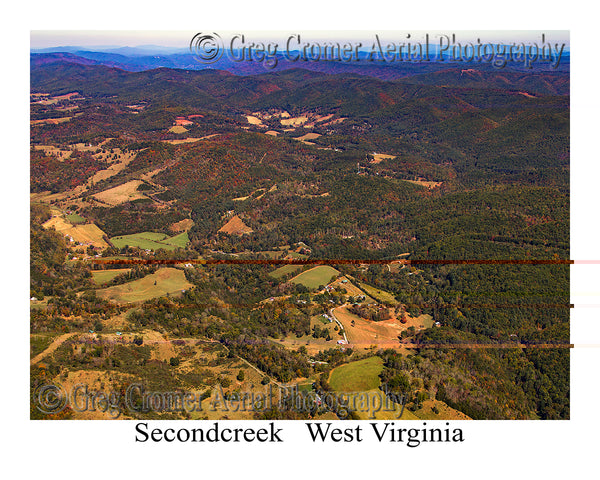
pixel 118 38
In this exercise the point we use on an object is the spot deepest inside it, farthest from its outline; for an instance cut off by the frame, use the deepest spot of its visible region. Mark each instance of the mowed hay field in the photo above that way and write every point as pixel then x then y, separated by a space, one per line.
pixel 295 121
pixel 425 183
pixel 358 376
pixel 74 218
pixel 309 136
pixel 151 241
pixel 380 157
pixel 285 270
pixel 89 233
pixel 121 194
pixel 178 129
pixel 315 277
pixel 384 334
pixel 235 226
pixel 365 333
pixel 379 295
pixel 101 277
pixel 360 379
pixel 182 226
pixel 253 120
pixel 162 282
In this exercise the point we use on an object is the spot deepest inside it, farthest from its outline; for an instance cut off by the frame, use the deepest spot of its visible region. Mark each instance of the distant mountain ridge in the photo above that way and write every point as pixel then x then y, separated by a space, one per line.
pixel 553 82
pixel 434 72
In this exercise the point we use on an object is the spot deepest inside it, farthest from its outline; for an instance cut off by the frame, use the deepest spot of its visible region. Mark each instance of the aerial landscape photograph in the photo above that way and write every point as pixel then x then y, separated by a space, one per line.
pixel 302 226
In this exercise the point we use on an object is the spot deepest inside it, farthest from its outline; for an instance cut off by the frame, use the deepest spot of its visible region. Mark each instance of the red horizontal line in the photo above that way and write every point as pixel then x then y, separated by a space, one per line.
pixel 399 344
pixel 408 305
pixel 257 261
pixel 476 345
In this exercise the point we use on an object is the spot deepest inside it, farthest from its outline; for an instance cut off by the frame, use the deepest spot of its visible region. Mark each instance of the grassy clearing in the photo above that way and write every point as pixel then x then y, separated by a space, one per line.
pixel 253 120
pixel 182 225
pixel 119 257
pixel 123 193
pixel 425 183
pixel 309 136
pixel 295 122
pixel 285 270
pixel 101 277
pixel 379 295
pixel 385 334
pixel 300 256
pixel 75 218
pixel 426 320
pixel 40 342
pixel 379 157
pixel 151 241
pixel 235 226
pixel 359 376
pixel 89 233
pixel 271 253
pixel 315 277
pixel 362 379
pixel 180 240
pixel 164 281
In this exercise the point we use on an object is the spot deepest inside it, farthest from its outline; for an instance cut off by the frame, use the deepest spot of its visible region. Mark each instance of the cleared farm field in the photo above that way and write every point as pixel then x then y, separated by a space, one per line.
pixel 101 277
pixel 123 193
pixel 75 218
pixel 162 282
pixel 295 121
pixel 315 277
pixel 182 226
pixel 361 380
pixel 235 226
pixel 379 295
pixel 89 233
pixel 299 256
pixel 359 376
pixel 285 270
pixel 151 241
pixel 379 157
pixel 271 253
pixel 425 183
pixel 40 342
pixel 180 240
pixel 385 334
pixel 309 136
pixel 253 120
